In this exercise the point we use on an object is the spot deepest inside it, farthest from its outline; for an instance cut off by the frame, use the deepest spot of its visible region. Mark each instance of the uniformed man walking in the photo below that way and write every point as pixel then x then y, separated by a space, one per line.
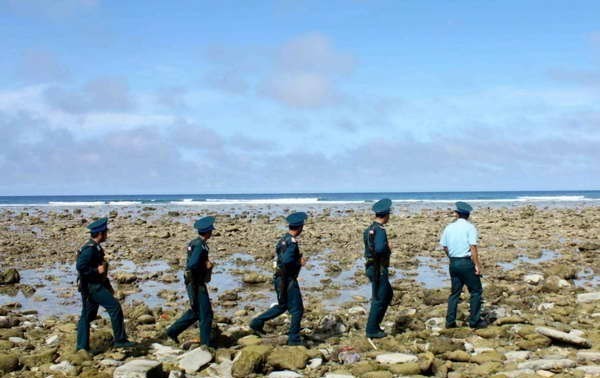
pixel 95 288
pixel 377 256
pixel 197 275
pixel 285 280
pixel 459 241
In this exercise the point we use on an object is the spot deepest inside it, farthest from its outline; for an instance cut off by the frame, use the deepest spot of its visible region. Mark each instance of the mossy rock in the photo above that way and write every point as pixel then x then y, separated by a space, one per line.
pixel 40 358
pixel 250 360
pixel 8 363
pixel 288 358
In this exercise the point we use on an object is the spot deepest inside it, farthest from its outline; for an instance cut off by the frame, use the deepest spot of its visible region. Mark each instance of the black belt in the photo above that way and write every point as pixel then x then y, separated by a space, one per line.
pixel 460 258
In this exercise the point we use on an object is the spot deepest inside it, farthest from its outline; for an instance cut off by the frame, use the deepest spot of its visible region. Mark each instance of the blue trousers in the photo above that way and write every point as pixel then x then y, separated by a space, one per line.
pixel 99 295
pixel 200 311
pixel 291 302
pixel 462 272
pixel 381 298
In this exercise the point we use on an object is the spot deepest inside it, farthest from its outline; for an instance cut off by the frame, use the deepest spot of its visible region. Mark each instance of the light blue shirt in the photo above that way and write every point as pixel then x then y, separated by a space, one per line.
pixel 458 237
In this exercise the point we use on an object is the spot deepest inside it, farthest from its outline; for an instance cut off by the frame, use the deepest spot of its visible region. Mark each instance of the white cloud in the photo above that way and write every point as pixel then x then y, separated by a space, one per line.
pixel 306 72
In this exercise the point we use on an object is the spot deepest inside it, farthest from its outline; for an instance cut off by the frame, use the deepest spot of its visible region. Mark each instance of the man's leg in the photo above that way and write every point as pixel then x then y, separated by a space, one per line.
pixel 259 322
pixel 296 309
pixel 473 283
pixel 89 311
pixel 372 327
pixel 456 289
pixel 386 294
pixel 105 299
pixel 188 318
pixel 205 315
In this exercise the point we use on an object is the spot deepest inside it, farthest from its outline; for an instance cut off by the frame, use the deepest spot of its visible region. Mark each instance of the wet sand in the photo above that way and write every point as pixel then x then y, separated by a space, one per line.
pixel 537 260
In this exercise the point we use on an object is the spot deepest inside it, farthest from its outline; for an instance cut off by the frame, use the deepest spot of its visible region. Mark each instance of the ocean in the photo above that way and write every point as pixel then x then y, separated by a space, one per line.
pixel 206 200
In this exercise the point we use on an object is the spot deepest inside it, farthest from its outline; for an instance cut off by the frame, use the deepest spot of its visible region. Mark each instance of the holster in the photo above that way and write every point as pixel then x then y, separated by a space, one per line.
pixel 82 286
pixel 283 284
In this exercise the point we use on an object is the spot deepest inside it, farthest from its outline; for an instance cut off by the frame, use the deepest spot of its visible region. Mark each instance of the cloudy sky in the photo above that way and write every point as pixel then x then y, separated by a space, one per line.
pixel 113 97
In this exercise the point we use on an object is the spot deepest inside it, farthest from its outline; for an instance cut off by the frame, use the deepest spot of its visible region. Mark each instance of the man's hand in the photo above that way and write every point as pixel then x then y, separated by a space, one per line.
pixel 209 265
pixel 302 261
pixel 101 269
pixel 478 270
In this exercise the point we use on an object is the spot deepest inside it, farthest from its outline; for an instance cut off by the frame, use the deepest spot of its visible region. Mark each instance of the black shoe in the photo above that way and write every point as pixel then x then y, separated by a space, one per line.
pixel 480 324
pixel 295 343
pixel 376 335
pixel 451 325
pixel 257 330
pixel 124 344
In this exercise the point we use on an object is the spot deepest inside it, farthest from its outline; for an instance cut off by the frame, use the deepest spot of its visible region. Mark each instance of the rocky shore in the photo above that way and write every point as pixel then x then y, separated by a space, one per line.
pixel 541 289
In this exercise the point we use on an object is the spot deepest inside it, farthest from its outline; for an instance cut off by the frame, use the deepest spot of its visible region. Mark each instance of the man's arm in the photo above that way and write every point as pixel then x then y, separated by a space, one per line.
pixel 84 261
pixel 475 259
pixel 473 236
pixel 289 257
pixel 446 251
pixel 380 241
pixel 195 261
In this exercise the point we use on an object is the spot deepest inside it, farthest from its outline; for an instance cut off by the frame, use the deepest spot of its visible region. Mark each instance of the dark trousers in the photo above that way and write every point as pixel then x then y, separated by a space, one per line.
pixel 381 297
pixel 99 295
pixel 462 272
pixel 292 302
pixel 200 310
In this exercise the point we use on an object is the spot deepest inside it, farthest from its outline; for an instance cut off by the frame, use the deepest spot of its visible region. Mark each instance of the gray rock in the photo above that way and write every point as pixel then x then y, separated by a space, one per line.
pixel 194 360
pixel 588 356
pixel 284 374
pixel 165 353
pixel 111 362
pixel 588 297
pixel 65 367
pixel 563 336
pixel 547 364
pixel 396 358
pixel 521 355
pixel 314 363
pixel 517 373
pixel 52 340
pixel 335 375
pixel 348 357
pixel 17 340
pixel 533 278
pixel 593 370
pixel 139 369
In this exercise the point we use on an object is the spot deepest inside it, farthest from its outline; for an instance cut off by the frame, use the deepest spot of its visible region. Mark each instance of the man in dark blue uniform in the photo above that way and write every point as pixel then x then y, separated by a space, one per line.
pixel 197 275
pixel 95 288
pixel 377 255
pixel 289 298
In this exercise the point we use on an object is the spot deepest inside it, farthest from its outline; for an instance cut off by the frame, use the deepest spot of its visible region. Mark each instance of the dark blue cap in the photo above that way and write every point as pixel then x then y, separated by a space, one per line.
pixel 97 226
pixel 205 224
pixel 296 219
pixel 463 208
pixel 383 206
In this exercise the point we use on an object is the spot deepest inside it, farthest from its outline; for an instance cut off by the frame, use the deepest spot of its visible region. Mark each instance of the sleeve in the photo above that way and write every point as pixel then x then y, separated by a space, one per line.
pixel 444 238
pixel 290 256
pixel 195 261
pixel 380 242
pixel 472 236
pixel 84 263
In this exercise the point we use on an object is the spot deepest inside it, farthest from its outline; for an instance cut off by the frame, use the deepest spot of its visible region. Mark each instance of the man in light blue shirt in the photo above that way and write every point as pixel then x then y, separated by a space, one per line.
pixel 459 241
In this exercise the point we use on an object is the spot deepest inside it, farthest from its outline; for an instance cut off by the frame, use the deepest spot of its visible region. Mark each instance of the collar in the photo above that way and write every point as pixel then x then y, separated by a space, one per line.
pixel 379 224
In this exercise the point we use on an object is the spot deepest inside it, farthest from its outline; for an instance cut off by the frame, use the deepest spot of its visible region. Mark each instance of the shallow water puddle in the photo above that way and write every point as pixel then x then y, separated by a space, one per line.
pixel 547 255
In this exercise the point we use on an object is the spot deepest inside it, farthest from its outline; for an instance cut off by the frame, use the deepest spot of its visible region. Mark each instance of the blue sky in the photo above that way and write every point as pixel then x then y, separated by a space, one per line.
pixel 110 97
